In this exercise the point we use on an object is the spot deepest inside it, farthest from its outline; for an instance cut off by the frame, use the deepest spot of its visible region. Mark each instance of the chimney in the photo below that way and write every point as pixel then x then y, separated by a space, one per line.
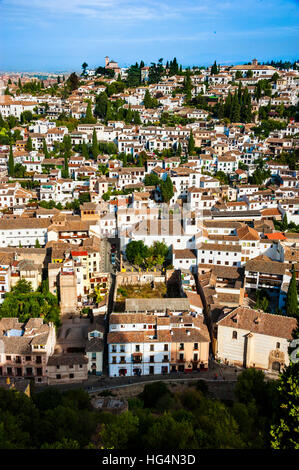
pixel 106 61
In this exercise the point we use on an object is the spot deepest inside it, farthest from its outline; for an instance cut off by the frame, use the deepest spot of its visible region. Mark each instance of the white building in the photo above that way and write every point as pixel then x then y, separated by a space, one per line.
pixel 252 338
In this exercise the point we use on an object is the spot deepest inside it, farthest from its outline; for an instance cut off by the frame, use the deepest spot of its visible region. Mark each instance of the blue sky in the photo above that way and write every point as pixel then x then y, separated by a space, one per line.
pixel 58 35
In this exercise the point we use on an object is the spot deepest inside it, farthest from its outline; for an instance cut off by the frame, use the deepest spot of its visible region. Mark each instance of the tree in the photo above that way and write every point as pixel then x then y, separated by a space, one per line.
pixel 37 244
pixel 179 150
pixel 45 149
pixel 84 67
pixel 121 432
pixel 238 74
pixel 73 81
pixel 101 105
pixel 65 173
pixel 285 434
pixel 85 152
pixel 156 71
pixel 173 67
pixel 187 86
pixel 136 250
pixel 251 386
pixel 23 303
pixel 214 69
pixel 152 180
pixel 191 144
pixel 152 392
pixel 28 146
pixel 167 433
pixel 10 162
pixel 292 297
pixel 166 189
pixel 26 116
pixel 95 146
pixel 262 300
pixel 148 101
pixel 134 75
pixel 89 119
pixel 284 225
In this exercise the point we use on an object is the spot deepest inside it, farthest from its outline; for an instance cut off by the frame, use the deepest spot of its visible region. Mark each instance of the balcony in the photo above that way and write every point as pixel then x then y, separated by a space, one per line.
pixel 137 360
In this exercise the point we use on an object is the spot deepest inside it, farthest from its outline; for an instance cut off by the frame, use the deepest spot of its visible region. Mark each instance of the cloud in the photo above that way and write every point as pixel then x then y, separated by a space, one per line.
pixel 116 10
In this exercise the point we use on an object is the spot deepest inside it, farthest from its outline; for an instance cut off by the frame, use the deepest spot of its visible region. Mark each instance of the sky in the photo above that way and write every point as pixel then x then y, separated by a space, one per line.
pixel 59 35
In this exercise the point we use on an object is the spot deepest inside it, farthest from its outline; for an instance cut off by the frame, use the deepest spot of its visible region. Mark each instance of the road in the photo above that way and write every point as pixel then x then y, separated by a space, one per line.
pixel 96 383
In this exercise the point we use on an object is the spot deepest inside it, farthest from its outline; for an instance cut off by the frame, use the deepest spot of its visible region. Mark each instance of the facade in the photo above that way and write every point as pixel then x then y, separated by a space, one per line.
pixel 26 348
pixel 252 338
pixel 143 344
pixel 67 368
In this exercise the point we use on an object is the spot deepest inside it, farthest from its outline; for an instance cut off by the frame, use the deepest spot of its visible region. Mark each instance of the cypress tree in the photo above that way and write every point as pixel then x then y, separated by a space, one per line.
pixel 227 105
pixel 89 119
pixel 292 298
pixel 45 149
pixel 284 224
pixel 214 69
pixel 191 144
pixel 10 162
pixel 129 116
pixel 167 189
pixel 95 146
pixel 179 150
pixel 235 110
pixel 85 152
pixel 66 165
pixel 147 100
pixel 29 144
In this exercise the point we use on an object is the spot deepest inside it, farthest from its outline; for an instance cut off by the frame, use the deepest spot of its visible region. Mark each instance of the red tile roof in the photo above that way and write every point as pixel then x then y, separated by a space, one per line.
pixel 275 236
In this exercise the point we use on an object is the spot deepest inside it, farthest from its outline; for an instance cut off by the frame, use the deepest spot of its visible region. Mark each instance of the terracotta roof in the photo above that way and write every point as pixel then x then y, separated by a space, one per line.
pixel 257 321
pixel 247 233
pixel 263 264
pixel 275 236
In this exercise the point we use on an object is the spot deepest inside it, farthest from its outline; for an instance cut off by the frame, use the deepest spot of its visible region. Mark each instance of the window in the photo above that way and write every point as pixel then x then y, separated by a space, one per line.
pixel 71 376
pixel 195 345
pixel 235 335
pixel 28 358
pixel 137 348
pixel 165 347
pixel 8 358
pixel 152 347
pixel 152 358
pixel 181 346
pixel 58 376
pixel 277 345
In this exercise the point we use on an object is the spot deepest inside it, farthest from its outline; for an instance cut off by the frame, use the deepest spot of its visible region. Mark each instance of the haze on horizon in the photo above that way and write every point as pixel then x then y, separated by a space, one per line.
pixel 54 35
